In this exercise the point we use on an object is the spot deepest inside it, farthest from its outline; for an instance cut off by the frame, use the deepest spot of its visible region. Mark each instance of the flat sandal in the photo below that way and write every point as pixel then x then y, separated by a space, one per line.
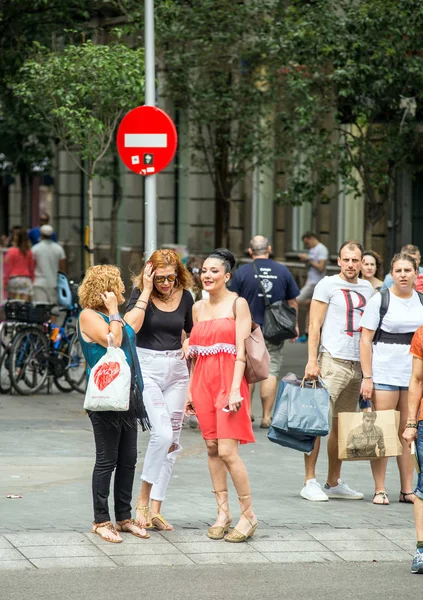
pixel 108 525
pixel 123 526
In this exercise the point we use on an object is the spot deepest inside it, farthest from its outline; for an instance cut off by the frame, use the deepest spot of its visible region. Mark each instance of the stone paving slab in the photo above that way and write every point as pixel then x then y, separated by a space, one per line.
pixel 301 557
pixel 63 550
pixel 16 565
pixel 346 534
pixel 10 554
pixel 60 551
pixel 361 545
pixel 148 560
pixel 217 546
pixel 73 563
pixel 287 546
pixel 143 548
pixel 47 539
pixel 379 556
pixel 217 558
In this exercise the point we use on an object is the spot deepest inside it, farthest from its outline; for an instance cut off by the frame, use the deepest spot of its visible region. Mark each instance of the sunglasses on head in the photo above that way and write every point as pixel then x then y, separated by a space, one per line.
pixel 163 278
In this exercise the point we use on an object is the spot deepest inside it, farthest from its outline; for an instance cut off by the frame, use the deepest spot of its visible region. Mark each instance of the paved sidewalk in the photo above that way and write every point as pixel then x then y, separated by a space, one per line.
pixel 47 454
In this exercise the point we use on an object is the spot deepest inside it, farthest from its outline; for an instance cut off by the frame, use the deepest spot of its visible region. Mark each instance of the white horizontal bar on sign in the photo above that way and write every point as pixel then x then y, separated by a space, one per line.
pixel 145 140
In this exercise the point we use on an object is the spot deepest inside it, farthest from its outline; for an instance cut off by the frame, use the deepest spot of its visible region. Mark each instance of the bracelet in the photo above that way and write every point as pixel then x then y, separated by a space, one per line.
pixel 116 317
pixel 140 307
pixel 142 301
pixel 368 377
pixel 411 426
pixel 241 360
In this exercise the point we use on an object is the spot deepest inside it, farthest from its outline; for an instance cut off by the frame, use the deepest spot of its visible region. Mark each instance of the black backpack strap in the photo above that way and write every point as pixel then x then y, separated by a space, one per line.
pixel 384 305
pixel 265 298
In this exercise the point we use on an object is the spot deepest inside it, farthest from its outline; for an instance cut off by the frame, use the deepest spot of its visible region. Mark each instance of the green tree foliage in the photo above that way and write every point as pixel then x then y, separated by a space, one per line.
pixel 25 144
pixel 344 70
pixel 82 93
pixel 213 54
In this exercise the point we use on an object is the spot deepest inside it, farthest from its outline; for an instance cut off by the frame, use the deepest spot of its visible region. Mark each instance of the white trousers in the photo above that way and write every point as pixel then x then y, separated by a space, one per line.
pixel 166 378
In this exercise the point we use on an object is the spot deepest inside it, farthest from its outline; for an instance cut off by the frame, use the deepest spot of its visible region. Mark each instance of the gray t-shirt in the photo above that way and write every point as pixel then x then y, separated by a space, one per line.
pixel 340 335
pixel 47 255
pixel 318 252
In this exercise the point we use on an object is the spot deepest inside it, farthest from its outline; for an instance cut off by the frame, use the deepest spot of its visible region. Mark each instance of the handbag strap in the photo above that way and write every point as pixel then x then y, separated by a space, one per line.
pixel 125 336
pixel 265 298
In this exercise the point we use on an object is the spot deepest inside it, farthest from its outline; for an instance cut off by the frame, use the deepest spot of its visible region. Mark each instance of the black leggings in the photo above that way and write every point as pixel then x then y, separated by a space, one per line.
pixel 116 450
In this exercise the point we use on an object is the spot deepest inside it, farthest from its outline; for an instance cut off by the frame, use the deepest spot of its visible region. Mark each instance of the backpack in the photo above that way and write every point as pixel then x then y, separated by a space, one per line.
pixel 384 306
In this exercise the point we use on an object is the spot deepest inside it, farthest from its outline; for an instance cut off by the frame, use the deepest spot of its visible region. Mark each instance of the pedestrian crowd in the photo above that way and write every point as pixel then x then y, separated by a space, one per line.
pixel 183 333
pixel 32 263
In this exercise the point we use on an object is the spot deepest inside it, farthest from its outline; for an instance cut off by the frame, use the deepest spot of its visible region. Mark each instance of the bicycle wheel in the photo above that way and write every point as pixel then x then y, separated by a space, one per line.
pixel 29 361
pixel 75 370
pixel 5 381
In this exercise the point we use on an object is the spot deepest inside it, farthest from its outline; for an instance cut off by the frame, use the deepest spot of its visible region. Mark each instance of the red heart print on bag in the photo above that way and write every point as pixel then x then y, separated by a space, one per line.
pixel 105 374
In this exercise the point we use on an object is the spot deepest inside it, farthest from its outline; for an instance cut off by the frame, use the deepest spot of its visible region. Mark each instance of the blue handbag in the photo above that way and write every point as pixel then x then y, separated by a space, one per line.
pixel 308 407
pixel 278 432
pixel 296 441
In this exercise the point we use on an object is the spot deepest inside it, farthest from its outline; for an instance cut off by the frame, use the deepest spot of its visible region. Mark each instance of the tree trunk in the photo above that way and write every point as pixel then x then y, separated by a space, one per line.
pixel 368 239
pixel 25 199
pixel 223 187
pixel 90 220
pixel 117 201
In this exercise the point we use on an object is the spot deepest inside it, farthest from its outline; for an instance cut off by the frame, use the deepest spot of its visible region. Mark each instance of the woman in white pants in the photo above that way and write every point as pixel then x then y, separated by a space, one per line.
pixel 160 312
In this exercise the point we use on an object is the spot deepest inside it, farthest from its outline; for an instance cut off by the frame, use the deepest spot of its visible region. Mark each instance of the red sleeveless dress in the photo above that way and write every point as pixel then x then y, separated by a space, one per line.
pixel 212 344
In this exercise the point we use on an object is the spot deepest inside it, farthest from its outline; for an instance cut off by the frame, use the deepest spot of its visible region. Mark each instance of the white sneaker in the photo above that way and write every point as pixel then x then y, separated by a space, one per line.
pixel 313 491
pixel 342 491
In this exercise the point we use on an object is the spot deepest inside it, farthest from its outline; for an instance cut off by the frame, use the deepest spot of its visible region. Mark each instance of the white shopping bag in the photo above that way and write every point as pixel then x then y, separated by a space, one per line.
pixel 109 384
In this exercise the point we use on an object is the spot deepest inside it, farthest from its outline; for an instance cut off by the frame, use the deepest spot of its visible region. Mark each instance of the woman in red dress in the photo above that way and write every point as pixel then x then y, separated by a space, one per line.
pixel 219 393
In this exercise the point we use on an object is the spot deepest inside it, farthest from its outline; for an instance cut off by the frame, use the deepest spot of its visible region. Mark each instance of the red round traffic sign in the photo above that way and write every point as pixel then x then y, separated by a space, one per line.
pixel 146 140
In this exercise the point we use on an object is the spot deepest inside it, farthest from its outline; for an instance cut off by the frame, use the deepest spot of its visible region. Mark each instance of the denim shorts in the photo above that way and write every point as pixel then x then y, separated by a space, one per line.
pixel 386 387
pixel 419 448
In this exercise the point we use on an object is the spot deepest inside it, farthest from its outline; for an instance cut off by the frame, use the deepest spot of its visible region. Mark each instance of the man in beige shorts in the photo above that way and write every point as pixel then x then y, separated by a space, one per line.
pixel 334 354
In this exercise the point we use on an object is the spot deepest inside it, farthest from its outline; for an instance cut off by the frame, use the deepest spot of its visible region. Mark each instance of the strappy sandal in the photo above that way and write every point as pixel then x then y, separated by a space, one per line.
pixel 144 510
pixel 217 532
pixel 107 525
pixel 160 519
pixel 385 499
pixel 403 497
pixel 125 526
pixel 236 536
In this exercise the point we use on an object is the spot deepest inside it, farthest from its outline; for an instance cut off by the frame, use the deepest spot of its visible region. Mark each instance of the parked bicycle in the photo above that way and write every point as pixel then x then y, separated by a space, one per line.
pixel 41 352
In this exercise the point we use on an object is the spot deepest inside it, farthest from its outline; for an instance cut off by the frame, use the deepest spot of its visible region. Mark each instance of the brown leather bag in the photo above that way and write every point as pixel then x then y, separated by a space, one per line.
pixel 258 358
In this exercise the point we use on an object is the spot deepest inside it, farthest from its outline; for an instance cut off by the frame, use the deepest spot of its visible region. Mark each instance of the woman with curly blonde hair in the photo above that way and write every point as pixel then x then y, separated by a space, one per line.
pixel 160 311
pixel 115 433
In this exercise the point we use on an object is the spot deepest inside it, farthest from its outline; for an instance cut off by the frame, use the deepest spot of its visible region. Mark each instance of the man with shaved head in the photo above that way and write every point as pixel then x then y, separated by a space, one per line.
pixel 278 284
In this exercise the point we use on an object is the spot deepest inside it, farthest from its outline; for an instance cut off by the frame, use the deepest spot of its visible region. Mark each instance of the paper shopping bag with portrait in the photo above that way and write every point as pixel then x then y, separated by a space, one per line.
pixel 368 435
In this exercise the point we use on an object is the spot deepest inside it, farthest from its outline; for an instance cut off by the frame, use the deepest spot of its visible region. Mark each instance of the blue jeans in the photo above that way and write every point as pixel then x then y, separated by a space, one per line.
pixel 419 447
pixel 386 387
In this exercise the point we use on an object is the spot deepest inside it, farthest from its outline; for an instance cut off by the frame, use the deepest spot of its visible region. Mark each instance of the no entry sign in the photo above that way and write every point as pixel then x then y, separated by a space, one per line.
pixel 146 140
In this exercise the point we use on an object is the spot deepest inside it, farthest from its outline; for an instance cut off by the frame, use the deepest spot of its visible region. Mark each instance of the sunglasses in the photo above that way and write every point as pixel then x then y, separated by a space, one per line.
pixel 163 278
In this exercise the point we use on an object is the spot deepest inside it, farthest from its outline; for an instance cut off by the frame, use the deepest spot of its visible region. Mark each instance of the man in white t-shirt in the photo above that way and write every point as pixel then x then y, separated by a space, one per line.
pixel 49 258
pixel 316 260
pixel 334 354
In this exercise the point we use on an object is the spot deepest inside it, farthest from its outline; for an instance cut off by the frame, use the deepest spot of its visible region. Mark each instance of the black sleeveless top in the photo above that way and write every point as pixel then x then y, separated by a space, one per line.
pixel 162 330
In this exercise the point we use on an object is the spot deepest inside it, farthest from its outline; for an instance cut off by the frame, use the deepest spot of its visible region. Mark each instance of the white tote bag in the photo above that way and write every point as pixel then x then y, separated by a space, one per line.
pixel 109 383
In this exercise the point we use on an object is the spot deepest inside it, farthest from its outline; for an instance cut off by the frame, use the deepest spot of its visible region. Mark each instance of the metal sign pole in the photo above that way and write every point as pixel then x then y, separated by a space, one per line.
pixel 150 204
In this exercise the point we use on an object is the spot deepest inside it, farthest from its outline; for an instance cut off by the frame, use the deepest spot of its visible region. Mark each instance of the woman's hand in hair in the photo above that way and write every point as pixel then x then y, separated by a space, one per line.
pixel 110 302
pixel 148 278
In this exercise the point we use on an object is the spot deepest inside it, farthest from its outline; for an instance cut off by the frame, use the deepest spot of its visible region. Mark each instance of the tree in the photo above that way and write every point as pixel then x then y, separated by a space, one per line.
pixel 350 75
pixel 24 141
pixel 213 54
pixel 82 93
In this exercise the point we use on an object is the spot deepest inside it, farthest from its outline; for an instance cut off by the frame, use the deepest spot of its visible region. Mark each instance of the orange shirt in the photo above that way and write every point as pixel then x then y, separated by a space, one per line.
pixel 416 349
